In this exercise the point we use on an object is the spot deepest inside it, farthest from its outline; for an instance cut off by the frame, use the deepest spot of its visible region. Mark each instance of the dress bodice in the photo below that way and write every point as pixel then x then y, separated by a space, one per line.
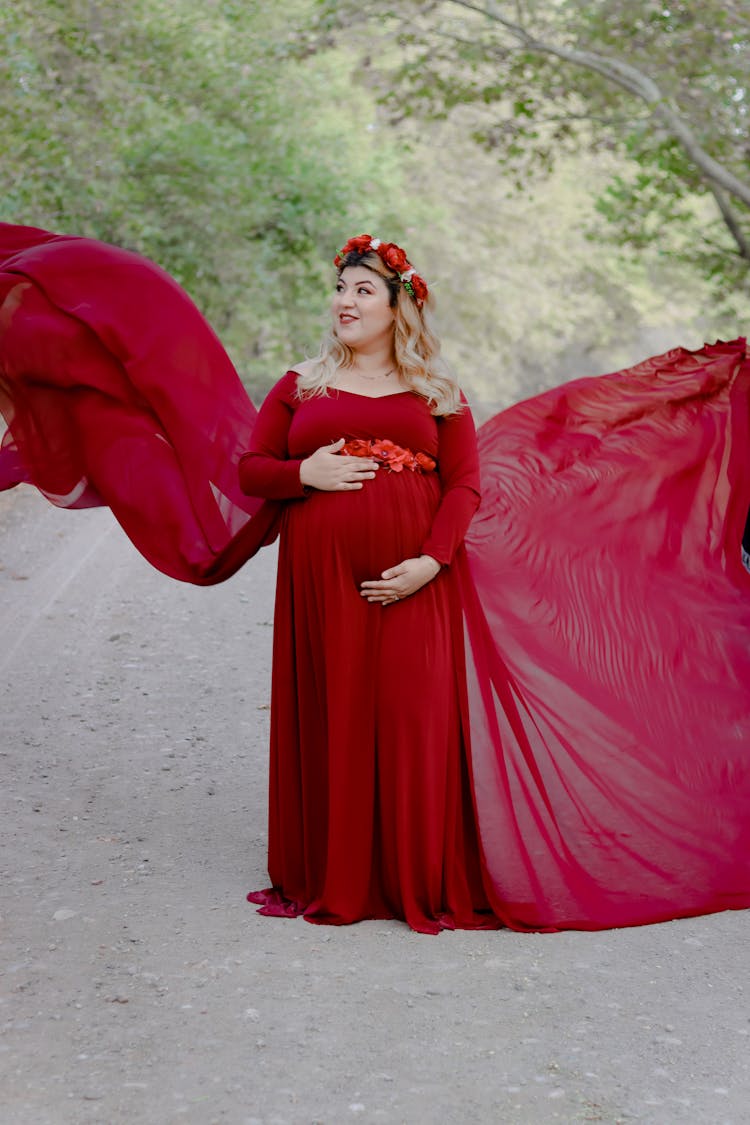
pixel 403 417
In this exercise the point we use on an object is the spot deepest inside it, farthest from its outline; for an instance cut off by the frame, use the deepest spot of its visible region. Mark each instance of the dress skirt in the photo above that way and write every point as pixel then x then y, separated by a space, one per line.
pixel 371 810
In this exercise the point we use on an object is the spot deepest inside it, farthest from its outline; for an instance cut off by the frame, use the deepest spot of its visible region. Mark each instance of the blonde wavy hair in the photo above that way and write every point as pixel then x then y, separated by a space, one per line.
pixel 420 366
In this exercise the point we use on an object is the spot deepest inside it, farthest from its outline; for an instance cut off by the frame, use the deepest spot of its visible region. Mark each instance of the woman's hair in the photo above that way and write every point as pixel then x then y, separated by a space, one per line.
pixel 420 366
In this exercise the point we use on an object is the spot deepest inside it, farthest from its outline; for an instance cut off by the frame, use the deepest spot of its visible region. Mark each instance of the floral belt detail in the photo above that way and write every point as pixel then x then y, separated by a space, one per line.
pixel 392 456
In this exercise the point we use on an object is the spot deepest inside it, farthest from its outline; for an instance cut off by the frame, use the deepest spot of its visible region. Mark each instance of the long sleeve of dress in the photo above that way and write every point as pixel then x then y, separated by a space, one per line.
pixel 266 470
pixel 458 465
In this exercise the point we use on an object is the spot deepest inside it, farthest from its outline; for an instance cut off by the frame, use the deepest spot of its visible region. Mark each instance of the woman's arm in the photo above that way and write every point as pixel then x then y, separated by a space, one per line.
pixel 266 470
pixel 458 465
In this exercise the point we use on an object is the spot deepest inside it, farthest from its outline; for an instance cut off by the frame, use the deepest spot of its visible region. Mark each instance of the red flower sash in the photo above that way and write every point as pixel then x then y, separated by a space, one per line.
pixel 393 457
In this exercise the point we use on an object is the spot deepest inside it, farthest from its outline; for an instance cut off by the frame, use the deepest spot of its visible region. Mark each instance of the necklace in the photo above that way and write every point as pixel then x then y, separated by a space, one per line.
pixel 373 378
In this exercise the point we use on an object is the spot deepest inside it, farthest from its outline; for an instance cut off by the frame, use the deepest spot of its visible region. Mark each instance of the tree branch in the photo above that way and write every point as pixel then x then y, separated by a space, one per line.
pixel 731 221
pixel 632 80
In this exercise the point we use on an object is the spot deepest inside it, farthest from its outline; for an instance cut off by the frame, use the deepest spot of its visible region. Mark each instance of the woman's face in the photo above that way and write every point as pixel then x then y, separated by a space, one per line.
pixel 362 316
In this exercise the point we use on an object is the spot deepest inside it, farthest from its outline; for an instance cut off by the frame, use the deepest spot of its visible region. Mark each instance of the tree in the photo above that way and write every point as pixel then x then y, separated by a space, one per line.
pixel 665 85
pixel 181 130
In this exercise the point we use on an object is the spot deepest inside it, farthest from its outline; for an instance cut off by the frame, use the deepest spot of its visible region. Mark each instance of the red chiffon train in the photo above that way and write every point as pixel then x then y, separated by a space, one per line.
pixel 116 391
pixel 609 616
pixel 605 710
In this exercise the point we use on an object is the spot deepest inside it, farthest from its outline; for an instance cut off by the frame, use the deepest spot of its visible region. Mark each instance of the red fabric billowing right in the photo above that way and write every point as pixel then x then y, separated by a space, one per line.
pixel 609 623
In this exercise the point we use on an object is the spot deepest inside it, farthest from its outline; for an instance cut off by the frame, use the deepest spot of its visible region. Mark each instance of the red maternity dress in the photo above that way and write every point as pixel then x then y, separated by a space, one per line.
pixel 555 733
pixel 371 813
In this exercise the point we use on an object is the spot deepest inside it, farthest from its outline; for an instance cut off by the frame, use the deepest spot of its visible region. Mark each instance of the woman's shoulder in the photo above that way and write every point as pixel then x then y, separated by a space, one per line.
pixel 285 389
pixel 304 367
pixel 287 384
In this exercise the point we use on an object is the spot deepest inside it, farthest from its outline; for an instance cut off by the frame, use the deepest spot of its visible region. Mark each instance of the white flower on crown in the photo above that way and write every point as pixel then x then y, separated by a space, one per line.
pixel 408 275
pixel 374 243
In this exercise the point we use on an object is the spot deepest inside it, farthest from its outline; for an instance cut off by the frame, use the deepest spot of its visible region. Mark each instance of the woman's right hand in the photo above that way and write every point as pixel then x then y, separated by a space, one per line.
pixel 326 470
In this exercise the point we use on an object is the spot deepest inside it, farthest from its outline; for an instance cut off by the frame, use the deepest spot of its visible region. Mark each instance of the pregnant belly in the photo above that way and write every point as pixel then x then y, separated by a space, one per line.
pixel 363 532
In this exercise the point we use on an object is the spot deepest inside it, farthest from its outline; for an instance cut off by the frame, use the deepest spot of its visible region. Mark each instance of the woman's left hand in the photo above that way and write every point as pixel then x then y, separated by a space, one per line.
pixel 400 581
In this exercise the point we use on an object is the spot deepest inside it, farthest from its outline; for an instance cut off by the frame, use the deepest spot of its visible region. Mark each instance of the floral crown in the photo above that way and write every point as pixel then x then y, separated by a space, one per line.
pixel 394 257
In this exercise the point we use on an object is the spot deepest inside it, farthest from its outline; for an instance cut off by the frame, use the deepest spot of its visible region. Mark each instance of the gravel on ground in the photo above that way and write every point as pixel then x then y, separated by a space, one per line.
pixel 138 987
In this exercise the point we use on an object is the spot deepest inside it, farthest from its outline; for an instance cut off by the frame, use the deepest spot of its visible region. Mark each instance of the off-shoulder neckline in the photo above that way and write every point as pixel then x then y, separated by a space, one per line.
pixel 358 394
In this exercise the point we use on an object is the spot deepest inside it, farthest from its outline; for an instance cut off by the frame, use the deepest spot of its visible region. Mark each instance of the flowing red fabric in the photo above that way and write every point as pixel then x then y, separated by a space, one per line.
pixel 116 391
pixel 609 617
pixel 605 606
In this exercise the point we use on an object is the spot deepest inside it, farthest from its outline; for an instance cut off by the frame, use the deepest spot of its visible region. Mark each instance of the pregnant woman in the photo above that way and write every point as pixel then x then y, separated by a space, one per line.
pixel 371 813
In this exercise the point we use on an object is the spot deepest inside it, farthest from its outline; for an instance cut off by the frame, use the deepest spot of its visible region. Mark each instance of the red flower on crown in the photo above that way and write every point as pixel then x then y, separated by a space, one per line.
pixel 393 257
pixel 419 287
pixel 361 244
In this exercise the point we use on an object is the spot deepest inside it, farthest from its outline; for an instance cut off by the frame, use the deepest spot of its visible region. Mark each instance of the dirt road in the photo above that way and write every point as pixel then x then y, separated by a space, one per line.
pixel 138 986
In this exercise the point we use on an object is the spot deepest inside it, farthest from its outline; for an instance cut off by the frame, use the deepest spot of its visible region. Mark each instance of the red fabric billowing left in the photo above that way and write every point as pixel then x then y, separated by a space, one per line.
pixel 116 391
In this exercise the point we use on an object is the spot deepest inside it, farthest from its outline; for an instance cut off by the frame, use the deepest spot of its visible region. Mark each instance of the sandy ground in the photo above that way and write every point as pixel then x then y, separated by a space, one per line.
pixel 139 987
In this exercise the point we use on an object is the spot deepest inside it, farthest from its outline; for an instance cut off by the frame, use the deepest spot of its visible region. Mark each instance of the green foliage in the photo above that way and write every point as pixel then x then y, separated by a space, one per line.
pixel 525 297
pixel 238 144
pixel 532 108
pixel 181 130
